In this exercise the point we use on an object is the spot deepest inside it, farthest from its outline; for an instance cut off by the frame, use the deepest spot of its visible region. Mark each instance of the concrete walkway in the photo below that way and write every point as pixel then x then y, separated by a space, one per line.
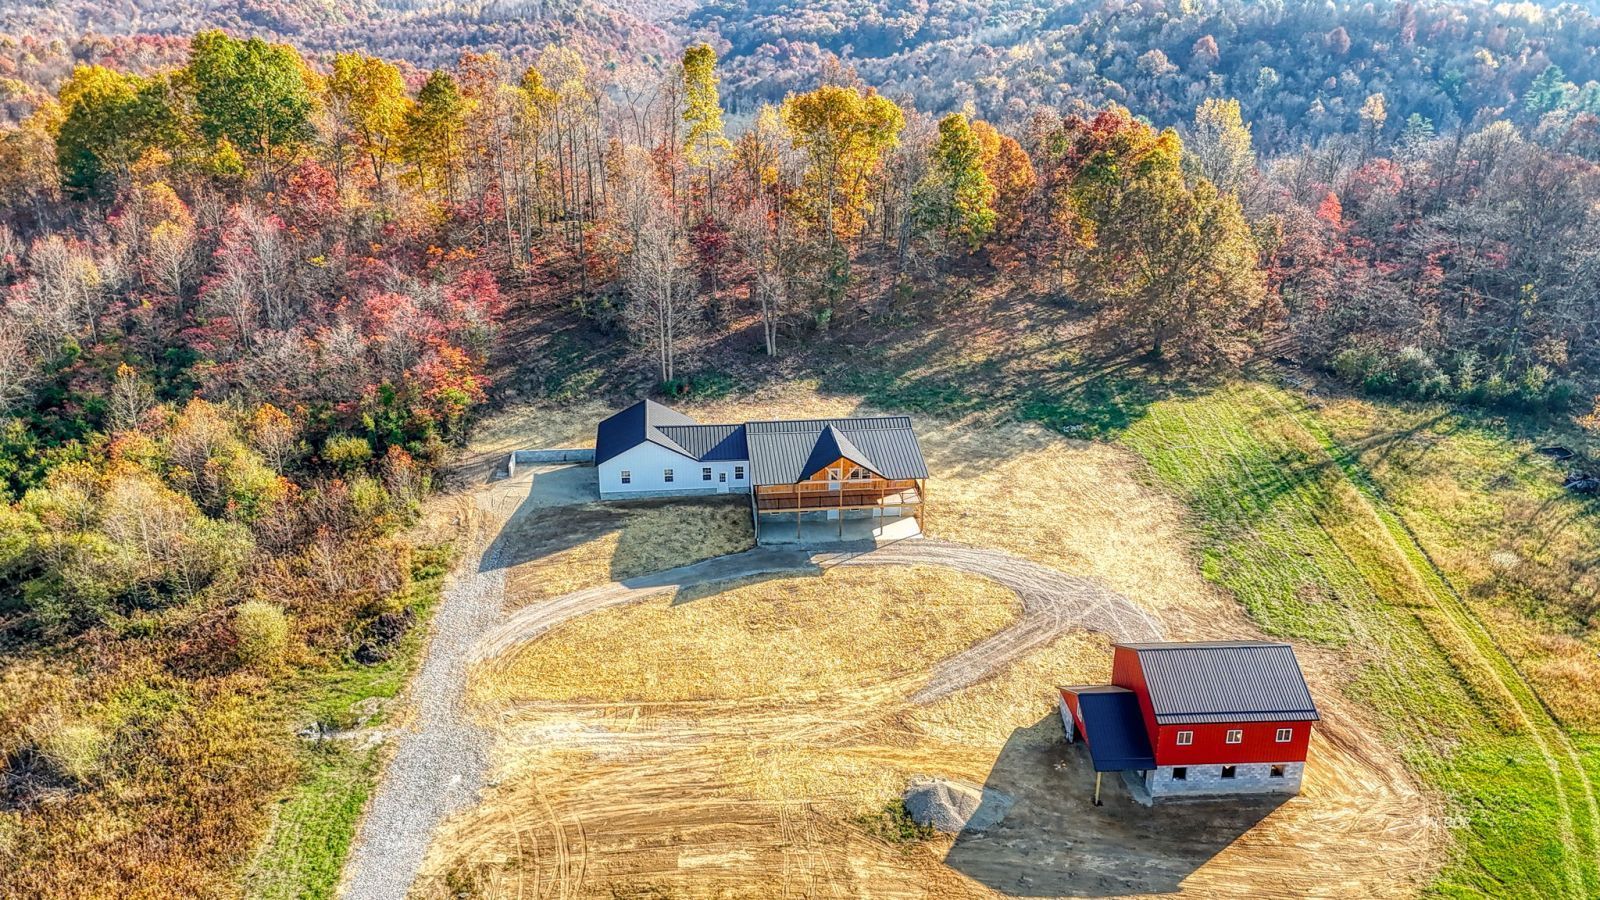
pixel 441 758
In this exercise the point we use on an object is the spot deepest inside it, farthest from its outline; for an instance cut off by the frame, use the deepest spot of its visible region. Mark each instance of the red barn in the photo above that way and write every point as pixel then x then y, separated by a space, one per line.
pixel 1227 717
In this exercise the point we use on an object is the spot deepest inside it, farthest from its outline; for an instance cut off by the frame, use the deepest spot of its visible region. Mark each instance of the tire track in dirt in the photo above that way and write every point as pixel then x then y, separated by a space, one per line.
pixel 1546 732
pixel 1052 601
pixel 412 800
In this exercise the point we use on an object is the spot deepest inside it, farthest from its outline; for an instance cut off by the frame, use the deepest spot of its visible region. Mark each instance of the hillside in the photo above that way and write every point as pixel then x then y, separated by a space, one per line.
pixel 1302 70
pixel 277 301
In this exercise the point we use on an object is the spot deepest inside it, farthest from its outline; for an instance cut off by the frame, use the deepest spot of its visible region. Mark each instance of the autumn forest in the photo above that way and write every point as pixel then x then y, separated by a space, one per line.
pixel 254 285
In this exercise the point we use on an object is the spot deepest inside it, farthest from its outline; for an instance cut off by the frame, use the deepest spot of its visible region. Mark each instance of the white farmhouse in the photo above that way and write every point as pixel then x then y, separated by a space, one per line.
pixel 833 468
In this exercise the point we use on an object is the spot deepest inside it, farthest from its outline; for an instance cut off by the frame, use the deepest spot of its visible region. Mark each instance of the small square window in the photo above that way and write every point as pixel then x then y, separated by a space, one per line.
pixel 1277 772
pixel 666 475
pixel 1180 773
pixel 705 474
pixel 738 473
pixel 1235 736
pixel 1230 771
pixel 1285 735
pixel 627 477
pixel 1185 738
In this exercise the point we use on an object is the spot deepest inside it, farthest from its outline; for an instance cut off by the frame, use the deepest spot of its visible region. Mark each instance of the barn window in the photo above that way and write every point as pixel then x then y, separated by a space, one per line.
pixel 738 473
pixel 722 478
pixel 1285 735
pixel 705 474
pixel 627 477
pixel 1230 771
pixel 1235 736
pixel 1180 773
pixel 1277 772
pixel 666 475
pixel 1185 738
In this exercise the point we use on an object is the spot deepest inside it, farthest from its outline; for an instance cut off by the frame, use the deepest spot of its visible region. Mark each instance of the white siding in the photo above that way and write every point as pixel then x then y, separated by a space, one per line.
pixel 647 464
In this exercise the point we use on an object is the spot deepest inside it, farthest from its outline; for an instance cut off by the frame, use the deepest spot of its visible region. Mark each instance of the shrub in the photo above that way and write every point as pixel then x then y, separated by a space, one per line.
pixel 262 632
pixel 73 751
pixel 1356 364
pixel 346 452
pixel 1495 390
pixel 1415 373
pixel 1468 365
pixel 370 500
pixel 894 824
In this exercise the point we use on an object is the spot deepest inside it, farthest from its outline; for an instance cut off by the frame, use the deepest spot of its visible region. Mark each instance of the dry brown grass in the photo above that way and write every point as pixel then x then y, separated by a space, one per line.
pixel 557 551
pixel 1075 505
pixel 766 717
pixel 794 640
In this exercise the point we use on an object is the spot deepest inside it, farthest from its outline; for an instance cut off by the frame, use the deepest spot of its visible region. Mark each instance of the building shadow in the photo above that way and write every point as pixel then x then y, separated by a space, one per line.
pixel 558 508
pixel 1054 842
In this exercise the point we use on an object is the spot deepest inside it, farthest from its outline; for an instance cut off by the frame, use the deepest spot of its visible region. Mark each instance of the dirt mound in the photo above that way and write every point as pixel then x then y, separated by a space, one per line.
pixel 955 806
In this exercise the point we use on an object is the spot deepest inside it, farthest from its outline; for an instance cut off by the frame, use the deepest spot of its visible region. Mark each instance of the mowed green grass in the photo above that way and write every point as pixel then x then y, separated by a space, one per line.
pixel 1292 522
pixel 314 825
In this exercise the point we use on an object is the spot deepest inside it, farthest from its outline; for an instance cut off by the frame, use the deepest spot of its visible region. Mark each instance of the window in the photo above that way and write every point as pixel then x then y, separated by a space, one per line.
pixel 1180 773
pixel 738 473
pixel 1185 738
pixel 1285 735
pixel 705 474
pixel 627 477
pixel 1229 771
pixel 1277 772
pixel 1235 736
pixel 858 474
pixel 722 478
pixel 666 475
pixel 833 474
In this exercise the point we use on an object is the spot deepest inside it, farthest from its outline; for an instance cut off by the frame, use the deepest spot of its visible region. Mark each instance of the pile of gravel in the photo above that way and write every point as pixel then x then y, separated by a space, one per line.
pixel 955 806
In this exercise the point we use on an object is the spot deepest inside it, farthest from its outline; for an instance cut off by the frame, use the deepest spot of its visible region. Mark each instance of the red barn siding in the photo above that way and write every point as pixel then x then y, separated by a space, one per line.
pixel 1210 745
pixel 1127 673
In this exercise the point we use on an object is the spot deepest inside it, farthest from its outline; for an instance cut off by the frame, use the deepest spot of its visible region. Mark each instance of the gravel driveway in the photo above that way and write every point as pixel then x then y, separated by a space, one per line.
pixel 441 757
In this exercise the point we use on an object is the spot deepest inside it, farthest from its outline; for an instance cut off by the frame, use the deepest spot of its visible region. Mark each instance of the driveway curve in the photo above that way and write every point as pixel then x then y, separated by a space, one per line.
pixel 441 757
pixel 1052 601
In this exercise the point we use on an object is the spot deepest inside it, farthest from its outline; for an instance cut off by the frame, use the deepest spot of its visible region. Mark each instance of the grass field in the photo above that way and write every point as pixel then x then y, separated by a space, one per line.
pixel 1436 575
pixel 1295 526
pixel 1427 550
pixel 305 849
pixel 781 640
pixel 728 743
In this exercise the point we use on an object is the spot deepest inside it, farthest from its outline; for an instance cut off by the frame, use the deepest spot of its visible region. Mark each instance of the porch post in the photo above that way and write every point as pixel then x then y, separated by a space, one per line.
pixel 1097 787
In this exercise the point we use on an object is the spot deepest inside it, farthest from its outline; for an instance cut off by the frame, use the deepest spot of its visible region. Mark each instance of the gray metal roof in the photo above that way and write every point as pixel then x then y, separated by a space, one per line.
pixel 708 442
pixel 780 452
pixel 1224 681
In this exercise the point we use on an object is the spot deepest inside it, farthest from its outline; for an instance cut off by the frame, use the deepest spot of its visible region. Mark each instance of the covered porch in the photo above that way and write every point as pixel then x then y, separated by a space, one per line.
pixel 879 509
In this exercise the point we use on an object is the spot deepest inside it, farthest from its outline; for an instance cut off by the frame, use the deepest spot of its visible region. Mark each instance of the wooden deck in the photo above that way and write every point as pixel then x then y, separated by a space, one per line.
pixel 844 498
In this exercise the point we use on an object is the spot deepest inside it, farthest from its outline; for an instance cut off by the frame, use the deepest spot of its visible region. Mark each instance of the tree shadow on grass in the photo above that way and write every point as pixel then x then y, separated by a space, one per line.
pixel 1054 842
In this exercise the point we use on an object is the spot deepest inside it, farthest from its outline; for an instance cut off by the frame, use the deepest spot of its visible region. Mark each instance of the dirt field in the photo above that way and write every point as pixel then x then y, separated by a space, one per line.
pixel 665 775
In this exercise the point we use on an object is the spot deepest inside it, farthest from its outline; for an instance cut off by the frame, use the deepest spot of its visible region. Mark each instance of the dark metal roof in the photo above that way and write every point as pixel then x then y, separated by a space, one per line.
pixel 1224 681
pixel 1113 727
pixel 831 446
pixel 708 442
pixel 649 421
pixel 780 452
